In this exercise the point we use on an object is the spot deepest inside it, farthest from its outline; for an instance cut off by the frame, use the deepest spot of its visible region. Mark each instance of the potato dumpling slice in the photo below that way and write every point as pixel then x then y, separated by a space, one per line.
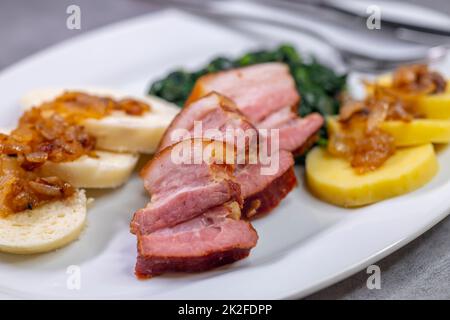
pixel 418 131
pixel 436 106
pixel 385 80
pixel 415 132
pixel 332 179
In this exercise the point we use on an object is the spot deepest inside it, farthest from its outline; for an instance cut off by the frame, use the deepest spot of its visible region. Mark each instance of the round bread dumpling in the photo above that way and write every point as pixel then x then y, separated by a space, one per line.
pixel 45 228
pixel 106 170
pixel 118 132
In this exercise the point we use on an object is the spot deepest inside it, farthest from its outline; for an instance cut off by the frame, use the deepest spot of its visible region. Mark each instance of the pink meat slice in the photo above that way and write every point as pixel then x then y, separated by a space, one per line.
pixel 278 118
pixel 293 130
pixel 208 241
pixel 261 192
pixel 257 90
pixel 178 190
pixel 252 182
pixel 214 113
pixel 266 95
pixel 251 179
pixel 186 117
pixel 295 133
pixel 189 225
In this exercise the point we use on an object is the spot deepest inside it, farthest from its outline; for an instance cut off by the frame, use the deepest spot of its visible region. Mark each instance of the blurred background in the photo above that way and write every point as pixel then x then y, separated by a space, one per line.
pixel 409 27
pixel 410 30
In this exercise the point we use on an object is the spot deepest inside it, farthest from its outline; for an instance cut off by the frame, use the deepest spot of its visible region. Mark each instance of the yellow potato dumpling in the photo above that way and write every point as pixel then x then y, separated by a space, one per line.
pixel 385 80
pixel 415 132
pixel 418 131
pixel 332 179
pixel 435 106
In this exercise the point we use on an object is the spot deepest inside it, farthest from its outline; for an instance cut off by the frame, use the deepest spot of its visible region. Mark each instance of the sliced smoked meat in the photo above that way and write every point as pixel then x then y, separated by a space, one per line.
pixel 213 239
pixel 182 191
pixel 193 221
pixel 213 112
pixel 261 192
pixel 295 133
pixel 257 90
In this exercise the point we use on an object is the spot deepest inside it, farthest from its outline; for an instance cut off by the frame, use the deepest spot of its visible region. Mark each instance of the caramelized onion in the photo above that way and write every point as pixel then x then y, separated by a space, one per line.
pixel 365 149
pixel 377 115
pixel 50 132
pixel 372 151
pixel 418 79
pixel 21 189
pixel 133 107
pixel 349 108
pixel 45 189
pixel 361 141
pixel 77 106
pixel 36 157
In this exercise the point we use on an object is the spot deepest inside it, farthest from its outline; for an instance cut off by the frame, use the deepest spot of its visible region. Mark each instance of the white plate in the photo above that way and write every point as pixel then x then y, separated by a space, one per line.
pixel 305 244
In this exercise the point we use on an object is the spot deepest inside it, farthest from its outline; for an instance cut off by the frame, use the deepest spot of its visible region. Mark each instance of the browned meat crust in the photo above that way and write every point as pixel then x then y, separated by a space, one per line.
pixel 147 267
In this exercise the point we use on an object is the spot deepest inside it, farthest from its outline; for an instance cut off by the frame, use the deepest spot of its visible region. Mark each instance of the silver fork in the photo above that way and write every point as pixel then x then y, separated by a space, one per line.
pixel 354 61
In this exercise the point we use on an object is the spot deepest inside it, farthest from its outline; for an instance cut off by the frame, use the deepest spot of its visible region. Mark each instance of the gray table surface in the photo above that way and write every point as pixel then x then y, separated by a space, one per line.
pixel 420 270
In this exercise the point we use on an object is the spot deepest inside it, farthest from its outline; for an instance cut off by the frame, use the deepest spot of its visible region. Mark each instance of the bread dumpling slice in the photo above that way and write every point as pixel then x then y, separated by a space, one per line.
pixel 106 170
pixel 45 228
pixel 118 132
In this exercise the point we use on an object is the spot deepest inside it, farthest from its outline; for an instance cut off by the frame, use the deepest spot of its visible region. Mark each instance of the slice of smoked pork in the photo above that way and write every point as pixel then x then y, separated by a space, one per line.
pixel 295 132
pixel 270 197
pixel 213 111
pixel 278 118
pixel 263 192
pixel 267 96
pixel 208 241
pixel 217 112
pixel 182 191
pixel 257 90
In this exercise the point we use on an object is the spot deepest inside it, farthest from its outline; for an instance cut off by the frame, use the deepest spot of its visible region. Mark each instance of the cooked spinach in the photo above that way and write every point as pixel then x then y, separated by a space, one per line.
pixel 318 85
